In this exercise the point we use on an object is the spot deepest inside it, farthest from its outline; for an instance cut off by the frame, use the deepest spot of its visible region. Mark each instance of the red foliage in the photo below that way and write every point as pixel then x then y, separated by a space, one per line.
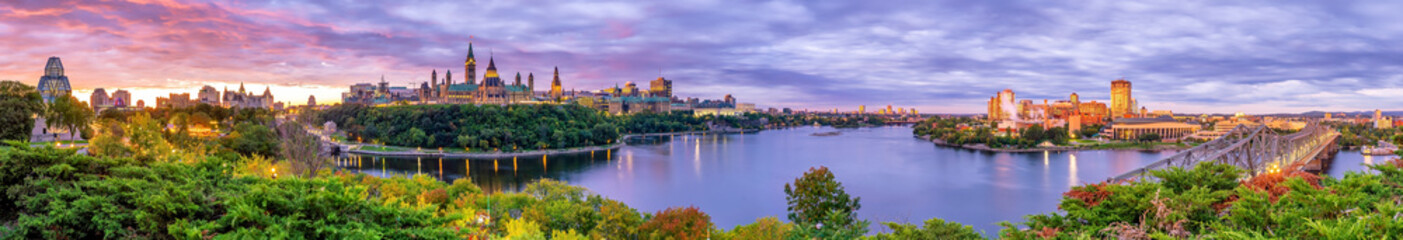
pixel 1396 162
pixel 1091 194
pixel 679 223
pixel 1271 183
pixel 1048 233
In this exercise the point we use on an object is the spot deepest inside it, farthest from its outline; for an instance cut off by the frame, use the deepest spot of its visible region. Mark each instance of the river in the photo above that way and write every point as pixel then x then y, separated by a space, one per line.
pixel 737 178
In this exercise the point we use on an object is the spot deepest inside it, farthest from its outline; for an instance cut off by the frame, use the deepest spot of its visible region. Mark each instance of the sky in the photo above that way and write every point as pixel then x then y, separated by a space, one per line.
pixel 938 56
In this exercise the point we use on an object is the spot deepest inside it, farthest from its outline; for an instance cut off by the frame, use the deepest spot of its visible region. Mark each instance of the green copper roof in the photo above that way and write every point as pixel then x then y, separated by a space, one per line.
pixel 462 87
pixel 515 88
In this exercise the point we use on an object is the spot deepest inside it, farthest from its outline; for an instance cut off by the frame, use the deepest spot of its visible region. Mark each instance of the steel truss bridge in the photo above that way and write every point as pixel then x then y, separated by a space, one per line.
pixel 1256 149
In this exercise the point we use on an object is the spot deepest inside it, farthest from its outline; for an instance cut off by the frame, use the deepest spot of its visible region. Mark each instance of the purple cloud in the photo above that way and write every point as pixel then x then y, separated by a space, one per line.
pixel 938 56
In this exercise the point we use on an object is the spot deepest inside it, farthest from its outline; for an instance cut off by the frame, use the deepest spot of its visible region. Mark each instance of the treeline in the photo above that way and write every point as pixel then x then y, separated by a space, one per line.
pixel 853 121
pixel 1358 135
pixel 493 127
pixel 967 130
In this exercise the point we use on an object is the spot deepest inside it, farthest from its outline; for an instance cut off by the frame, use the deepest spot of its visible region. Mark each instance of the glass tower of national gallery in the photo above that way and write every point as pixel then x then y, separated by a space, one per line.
pixel 54 84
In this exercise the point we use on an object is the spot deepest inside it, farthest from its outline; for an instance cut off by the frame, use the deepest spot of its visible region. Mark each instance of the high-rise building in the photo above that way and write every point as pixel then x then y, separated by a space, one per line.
pixel 175 100
pixel 99 99
pixel 54 84
pixel 121 98
pixel 1121 101
pixel 311 101
pixel 730 100
pixel 1379 119
pixel 629 90
pixel 660 88
pixel 209 95
pixel 1002 107
pixel 861 109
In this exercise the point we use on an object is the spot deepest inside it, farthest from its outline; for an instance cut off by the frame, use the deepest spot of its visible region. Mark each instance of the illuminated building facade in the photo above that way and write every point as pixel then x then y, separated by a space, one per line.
pixel 99 99
pixel 492 90
pixel 209 95
pixel 246 99
pixel 1165 127
pixel 660 88
pixel 556 92
pixel 54 84
pixel 174 100
pixel 1122 103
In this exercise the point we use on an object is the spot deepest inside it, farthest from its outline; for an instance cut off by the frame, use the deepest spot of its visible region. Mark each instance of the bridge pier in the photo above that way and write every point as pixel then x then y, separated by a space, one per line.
pixel 1321 162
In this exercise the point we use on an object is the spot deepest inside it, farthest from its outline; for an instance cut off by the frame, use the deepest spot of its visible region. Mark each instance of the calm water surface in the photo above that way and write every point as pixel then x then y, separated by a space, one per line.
pixel 738 178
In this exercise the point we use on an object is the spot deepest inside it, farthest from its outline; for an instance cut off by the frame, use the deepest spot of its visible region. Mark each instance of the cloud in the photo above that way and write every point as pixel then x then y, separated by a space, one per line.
pixel 946 55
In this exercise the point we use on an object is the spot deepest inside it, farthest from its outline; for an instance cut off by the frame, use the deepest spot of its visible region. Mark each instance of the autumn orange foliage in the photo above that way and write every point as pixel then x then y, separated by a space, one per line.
pixel 1091 194
pixel 1271 183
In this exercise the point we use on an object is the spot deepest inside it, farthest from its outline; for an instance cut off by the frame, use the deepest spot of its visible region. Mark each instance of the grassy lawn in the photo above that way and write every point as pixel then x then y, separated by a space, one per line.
pixel 64 142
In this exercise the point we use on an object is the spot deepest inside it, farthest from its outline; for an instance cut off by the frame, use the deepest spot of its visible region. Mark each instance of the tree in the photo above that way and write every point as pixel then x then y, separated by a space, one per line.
pixel 109 140
pixel 617 221
pixel 934 228
pixel 820 207
pixel 69 113
pixel 145 138
pixel 1034 133
pixel 763 229
pixel 1149 137
pixel 301 149
pixel 677 223
pixel 251 138
pixel 20 103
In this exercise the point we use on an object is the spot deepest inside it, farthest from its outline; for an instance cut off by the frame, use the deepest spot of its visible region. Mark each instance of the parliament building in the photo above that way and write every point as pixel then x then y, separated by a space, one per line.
pixel 490 90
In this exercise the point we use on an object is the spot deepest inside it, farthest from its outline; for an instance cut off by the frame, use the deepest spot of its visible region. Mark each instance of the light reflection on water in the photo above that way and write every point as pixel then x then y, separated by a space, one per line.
pixel 737 178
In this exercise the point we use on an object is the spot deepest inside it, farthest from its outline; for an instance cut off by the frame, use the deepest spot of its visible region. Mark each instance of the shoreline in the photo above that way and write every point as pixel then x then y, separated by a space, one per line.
pixel 985 148
pixel 547 152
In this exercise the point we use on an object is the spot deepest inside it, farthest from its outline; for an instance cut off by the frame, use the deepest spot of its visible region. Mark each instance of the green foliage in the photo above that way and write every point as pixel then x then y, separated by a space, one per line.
pixel 253 139
pixel 521 229
pixel 487 127
pixel 762 229
pixel 109 140
pixel 1208 201
pixel 934 228
pixel 1209 175
pixel 20 103
pixel 145 138
pixel 68 113
pixel 552 190
pixel 1149 137
pixel 55 194
pixel 817 199
pixel 617 221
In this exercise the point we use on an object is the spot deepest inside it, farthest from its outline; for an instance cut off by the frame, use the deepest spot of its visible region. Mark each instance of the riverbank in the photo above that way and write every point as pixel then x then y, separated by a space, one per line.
pixel 361 148
pixel 1113 146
